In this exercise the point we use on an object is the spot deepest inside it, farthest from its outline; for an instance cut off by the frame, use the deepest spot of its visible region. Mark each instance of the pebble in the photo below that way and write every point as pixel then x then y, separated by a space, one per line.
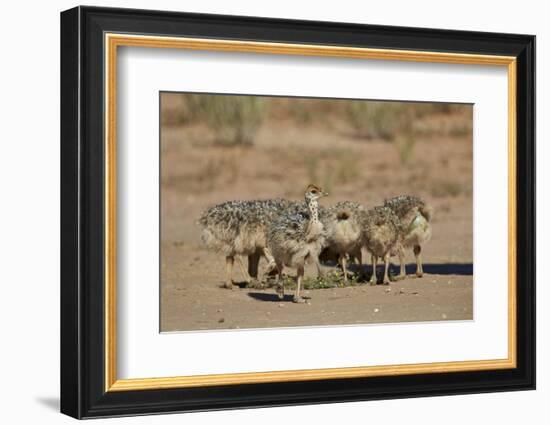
pixel 221 320
pixel 281 305
pixel 376 310
pixel 444 316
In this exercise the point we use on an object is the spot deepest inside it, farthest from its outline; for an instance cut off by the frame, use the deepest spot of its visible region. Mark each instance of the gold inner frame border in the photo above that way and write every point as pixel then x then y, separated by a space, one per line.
pixel 112 41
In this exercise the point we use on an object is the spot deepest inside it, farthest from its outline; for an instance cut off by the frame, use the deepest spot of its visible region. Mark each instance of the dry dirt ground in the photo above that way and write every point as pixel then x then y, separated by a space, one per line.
pixel 196 174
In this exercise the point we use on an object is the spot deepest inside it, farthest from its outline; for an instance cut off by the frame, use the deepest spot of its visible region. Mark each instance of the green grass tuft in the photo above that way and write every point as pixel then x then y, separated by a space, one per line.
pixel 331 279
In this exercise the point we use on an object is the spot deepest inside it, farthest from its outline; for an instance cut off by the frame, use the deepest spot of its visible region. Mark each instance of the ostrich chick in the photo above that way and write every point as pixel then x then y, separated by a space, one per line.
pixel 380 237
pixel 238 228
pixel 415 216
pixel 343 232
pixel 296 237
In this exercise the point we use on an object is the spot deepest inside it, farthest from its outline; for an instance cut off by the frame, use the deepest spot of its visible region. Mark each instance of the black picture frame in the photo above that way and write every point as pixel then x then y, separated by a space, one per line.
pixel 83 392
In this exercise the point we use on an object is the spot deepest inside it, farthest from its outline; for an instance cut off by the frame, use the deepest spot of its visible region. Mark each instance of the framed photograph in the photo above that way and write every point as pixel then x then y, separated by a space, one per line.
pixel 261 212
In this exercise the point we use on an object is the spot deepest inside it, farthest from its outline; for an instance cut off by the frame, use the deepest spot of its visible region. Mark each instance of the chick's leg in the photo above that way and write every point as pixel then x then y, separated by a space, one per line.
pixel 373 279
pixel 229 260
pixel 297 298
pixel 386 280
pixel 418 254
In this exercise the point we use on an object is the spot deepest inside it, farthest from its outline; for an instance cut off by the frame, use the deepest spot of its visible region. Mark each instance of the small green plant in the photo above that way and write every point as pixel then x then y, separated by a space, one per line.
pixel 405 147
pixel 331 279
pixel 347 168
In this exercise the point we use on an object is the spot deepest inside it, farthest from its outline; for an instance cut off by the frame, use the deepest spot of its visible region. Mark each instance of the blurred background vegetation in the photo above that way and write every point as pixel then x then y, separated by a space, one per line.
pixel 236 120
pixel 233 120
pixel 232 146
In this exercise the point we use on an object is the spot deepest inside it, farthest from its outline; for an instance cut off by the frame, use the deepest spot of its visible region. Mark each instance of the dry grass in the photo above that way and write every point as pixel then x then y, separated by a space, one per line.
pixel 234 120
pixel 333 167
pixel 205 175
pixel 405 147
pixel 444 189
pixel 292 151
pixel 376 120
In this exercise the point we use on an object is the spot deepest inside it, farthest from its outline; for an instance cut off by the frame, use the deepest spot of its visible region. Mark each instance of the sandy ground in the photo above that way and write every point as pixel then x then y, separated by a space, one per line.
pixel 444 293
pixel 197 174
pixel 193 299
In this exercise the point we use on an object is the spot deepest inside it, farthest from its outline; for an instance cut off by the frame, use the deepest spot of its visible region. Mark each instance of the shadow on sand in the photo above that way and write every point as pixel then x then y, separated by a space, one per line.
pixel 460 269
pixel 266 296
